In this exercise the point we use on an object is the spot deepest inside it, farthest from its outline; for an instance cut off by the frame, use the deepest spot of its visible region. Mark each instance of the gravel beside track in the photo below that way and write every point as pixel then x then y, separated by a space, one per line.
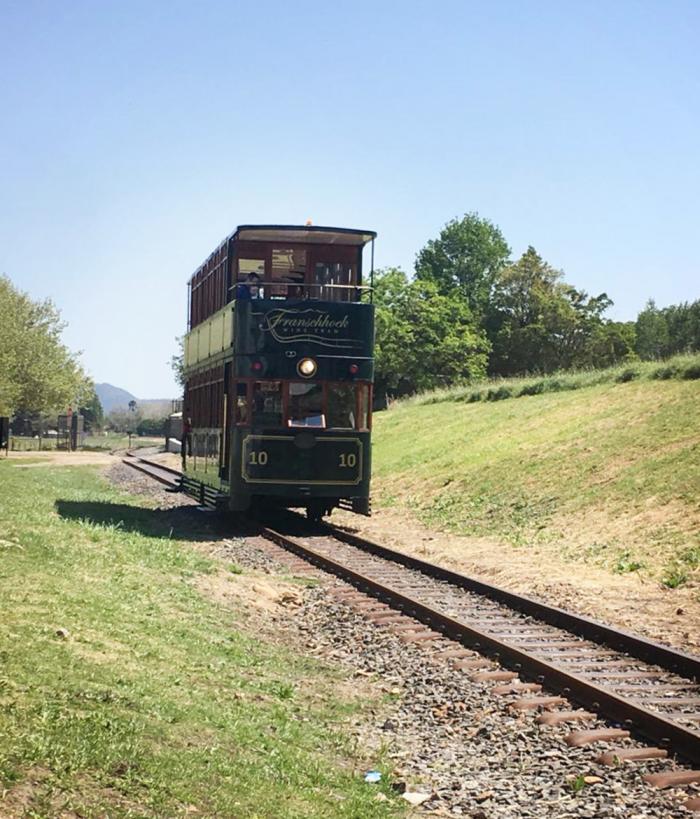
pixel 137 483
pixel 448 735
pixel 525 630
pixel 451 738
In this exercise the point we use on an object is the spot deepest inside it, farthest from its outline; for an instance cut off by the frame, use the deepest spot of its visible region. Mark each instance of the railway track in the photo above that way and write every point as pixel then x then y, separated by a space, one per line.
pixel 569 669
pixel 159 472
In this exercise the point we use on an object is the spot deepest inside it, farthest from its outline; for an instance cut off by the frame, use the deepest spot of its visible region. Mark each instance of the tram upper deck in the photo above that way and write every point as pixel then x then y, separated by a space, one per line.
pixel 281 262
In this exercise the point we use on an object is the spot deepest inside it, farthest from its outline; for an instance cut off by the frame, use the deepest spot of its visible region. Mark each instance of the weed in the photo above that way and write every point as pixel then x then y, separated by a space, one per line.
pixel 234 568
pixel 691 556
pixel 284 691
pixel 674 577
pixel 625 564
pixel 578 783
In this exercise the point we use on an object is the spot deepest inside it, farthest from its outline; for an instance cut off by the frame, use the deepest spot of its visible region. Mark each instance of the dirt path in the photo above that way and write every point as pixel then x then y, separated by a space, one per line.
pixel 26 460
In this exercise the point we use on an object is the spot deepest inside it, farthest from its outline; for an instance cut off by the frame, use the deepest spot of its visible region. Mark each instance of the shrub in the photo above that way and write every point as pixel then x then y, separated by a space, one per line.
pixel 554 385
pixel 500 394
pixel 691 372
pixel 685 366
pixel 533 389
pixel 627 375
pixel 664 373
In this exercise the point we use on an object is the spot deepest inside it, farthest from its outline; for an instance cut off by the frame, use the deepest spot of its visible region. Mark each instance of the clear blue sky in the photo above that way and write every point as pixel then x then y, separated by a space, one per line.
pixel 136 135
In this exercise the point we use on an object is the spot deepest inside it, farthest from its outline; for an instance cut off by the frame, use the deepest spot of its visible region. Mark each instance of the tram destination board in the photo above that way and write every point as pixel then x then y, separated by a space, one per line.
pixel 302 459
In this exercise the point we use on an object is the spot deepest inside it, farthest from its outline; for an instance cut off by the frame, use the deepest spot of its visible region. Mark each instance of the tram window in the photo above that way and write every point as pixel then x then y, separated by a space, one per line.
pixel 341 406
pixel 333 280
pixel 363 406
pixel 288 272
pixel 267 403
pixel 241 406
pixel 306 405
pixel 246 267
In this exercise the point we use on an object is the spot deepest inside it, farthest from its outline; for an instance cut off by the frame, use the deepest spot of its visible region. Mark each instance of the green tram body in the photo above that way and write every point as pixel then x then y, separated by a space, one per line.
pixel 262 431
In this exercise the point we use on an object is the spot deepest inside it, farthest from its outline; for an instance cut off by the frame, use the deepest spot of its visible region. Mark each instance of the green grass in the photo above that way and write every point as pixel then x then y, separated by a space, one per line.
pixel 680 367
pixel 115 440
pixel 609 474
pixel 126 692
pixel 106 442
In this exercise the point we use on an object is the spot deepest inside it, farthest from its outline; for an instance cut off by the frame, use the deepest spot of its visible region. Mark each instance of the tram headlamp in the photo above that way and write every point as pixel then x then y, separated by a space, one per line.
pixel 307 367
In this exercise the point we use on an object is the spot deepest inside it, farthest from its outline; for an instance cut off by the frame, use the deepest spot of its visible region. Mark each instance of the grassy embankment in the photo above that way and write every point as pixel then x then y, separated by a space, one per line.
pixel 155 700
pixel 602 465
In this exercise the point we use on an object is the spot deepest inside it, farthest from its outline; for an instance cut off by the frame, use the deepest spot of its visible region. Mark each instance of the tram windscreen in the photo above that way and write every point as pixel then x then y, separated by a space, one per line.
pixel 267 403
pixel 306 405
pixel 341 406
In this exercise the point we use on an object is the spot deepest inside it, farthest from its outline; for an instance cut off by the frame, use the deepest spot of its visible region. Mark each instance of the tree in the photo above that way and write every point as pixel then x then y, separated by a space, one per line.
pixel 177 362
pixel 123 420
pixel 38 374
pixel 683 326
pixel 612 342
pixel 424 338
pixel 151 426
pixel 92 412
pixel 466 257
pixel 652 332
pixel 539 323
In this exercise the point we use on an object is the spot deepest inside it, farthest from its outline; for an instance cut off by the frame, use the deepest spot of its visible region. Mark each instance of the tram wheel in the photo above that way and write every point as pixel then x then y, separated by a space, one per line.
pixel 315 512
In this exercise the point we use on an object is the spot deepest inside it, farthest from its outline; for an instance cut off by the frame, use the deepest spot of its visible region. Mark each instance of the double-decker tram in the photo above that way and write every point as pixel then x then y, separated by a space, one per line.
pixel 279 370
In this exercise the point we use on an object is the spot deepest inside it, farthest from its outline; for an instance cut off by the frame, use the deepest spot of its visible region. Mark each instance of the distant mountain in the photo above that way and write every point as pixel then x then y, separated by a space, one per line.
pixel 115 398
pixel 112 397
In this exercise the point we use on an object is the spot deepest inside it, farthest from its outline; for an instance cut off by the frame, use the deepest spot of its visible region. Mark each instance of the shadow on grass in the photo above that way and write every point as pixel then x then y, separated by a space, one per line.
pixel 180 523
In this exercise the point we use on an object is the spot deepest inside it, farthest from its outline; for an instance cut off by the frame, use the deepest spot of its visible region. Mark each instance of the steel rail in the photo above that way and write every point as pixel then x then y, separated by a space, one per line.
pixel 158 472
pixel 143 460
pixel 641 648
pixel 649 724
pixel 671 659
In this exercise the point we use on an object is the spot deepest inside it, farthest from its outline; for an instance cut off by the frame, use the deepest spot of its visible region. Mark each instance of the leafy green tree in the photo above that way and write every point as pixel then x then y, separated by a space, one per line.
pixel 610 343
pixel 424 338
pixel 38 374
pixel 539 323
pixel 92 412
pixel 683 325
pixel 177 362
pixel 652 332
pixel 466 257
pixel 151 426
